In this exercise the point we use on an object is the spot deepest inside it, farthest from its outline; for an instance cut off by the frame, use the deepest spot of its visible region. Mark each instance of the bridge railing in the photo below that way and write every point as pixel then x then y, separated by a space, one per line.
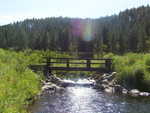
pixel 88 63
pixel 73 64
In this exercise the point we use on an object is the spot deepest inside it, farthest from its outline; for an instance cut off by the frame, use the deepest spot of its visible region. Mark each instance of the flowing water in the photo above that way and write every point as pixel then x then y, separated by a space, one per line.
pixel 78 99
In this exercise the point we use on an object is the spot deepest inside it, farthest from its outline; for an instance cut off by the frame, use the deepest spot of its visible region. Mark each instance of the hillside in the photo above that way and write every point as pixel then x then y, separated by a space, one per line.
pixel 127 32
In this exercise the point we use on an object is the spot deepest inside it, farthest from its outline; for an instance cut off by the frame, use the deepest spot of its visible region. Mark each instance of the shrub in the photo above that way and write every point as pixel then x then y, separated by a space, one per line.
pixel 17 82
pixel 132 70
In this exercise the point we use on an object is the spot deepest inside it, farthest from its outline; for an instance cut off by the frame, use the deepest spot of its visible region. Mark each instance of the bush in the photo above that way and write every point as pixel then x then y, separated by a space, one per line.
pixel 132 70
pixel 17 82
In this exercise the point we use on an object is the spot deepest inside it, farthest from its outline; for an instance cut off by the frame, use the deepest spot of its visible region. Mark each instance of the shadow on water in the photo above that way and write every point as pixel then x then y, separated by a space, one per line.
pixel 80 99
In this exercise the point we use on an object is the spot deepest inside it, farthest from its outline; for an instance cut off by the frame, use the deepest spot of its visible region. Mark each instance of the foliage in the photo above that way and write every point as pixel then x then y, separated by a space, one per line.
pixel 133 71
pixel 18 84
pixel 127 32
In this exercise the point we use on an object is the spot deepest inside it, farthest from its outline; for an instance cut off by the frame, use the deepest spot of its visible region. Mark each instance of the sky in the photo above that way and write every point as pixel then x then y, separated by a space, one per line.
pixel 18 10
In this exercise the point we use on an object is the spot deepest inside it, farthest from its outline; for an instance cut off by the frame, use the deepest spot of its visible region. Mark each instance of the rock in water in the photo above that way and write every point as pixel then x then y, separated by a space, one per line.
pixel 118 89
pixel 134 92
pixel 124 91
pixel 144 94
pixel 109 90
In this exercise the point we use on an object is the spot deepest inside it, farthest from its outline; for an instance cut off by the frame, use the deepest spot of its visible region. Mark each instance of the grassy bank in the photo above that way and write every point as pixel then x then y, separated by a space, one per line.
pixel 18 84
pixel 133 70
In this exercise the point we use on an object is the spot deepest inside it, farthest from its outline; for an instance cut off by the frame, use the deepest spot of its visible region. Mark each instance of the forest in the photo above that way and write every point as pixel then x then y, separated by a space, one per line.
pixel 124 37
pixel 127 32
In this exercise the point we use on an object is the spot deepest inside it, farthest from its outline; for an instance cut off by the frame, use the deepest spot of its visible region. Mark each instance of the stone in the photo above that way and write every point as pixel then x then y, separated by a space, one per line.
pixel 114 74
pixel 109 90
pixel 48 83
pixel 118 89
pixel 54 79
pixel 112 82
pixel 109 78
pixel 105 81
pixel 103 86
pixel 48 87
pixel 124 91
pixel 134 92
pixel 105 75
pixel 144 94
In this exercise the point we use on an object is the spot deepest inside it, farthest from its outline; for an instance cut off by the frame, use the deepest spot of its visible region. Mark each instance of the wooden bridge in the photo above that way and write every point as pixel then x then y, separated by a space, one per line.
pixel 74 64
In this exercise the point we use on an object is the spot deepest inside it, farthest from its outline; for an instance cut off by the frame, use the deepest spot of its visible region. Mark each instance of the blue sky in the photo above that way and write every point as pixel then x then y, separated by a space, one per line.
pixel 17 10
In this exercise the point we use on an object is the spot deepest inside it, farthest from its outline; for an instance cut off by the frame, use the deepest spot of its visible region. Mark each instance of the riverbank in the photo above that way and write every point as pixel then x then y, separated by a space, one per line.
pixel 18 84
pixel 109 83
pixel 106 82
pixel 133 70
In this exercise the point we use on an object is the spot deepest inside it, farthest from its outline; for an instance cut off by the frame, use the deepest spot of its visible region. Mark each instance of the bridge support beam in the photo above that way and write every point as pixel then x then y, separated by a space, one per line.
pixel 47 71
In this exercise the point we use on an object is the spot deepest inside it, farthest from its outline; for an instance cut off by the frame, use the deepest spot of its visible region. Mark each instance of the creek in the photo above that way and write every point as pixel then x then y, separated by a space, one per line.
pixel 87 99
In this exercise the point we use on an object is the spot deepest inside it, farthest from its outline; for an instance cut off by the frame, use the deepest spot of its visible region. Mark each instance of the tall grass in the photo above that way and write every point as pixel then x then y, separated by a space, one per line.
pixel 18 84
pixel 133 70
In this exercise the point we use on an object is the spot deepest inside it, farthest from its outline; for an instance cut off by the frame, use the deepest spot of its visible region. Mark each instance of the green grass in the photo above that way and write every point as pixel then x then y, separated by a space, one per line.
pixel 133 70
pixel 18 84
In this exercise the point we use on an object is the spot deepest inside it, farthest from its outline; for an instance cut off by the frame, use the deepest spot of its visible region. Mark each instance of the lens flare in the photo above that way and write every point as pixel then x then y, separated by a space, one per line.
pixel 87 34
pixel 82 29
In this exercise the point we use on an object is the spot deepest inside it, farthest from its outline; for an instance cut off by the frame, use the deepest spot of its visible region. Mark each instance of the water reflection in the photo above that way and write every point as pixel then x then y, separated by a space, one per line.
pixel 88 100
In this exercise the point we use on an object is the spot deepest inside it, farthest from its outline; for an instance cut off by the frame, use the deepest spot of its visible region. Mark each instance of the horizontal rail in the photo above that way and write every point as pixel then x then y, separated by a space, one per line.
pixel 78 58
pixel 71 63
pixel 68 69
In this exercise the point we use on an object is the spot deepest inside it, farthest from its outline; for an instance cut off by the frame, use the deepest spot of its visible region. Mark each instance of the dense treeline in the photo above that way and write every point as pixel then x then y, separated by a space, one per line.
pixel 127 32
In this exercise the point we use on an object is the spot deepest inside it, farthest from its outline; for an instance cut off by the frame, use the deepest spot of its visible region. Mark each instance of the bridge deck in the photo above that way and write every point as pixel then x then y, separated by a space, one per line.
pixel 41 67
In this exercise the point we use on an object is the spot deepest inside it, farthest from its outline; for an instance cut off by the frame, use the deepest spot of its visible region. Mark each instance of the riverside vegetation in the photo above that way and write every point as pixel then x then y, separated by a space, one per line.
pixel 120 34
pixel 19 85
pixel 133 70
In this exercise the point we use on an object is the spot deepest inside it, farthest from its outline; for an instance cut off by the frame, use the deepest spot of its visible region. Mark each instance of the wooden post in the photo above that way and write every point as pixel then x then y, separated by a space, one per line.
pixel 49 65
pixel 47 70
pixel 108 65
pixel 88 63
pixel 68 63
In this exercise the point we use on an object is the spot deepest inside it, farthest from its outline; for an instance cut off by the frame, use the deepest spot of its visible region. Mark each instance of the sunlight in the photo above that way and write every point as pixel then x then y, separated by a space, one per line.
pixel 82 29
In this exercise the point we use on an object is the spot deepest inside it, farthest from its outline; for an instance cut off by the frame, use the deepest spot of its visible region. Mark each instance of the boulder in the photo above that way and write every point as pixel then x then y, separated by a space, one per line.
pixel 134 92
pixel 113 82
pixel 103 86
pixel 109 78
pixel 105 75
pixel 114 74
pixel 54 79
pixel 117 89
pixel 105 81
pixel 109 90
pixel 124 91
pixel 48 87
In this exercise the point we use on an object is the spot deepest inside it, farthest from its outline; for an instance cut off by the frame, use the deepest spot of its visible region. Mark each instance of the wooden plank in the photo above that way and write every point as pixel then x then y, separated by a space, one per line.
pixel 88 67
pixel 79 58
pixel 37 67
pixel 78 69
pixel 72 63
